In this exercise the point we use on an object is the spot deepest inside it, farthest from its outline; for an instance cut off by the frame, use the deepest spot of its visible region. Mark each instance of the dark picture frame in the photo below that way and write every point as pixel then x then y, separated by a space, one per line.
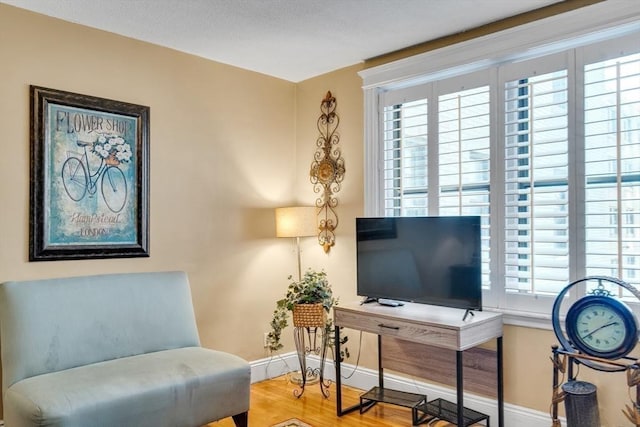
pixel 89 195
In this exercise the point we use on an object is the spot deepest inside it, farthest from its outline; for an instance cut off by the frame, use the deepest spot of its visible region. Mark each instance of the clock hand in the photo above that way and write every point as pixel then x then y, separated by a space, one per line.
pixel 600 327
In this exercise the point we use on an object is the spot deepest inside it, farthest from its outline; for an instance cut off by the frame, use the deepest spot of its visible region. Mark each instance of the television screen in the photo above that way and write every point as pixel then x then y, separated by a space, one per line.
pixel 430 260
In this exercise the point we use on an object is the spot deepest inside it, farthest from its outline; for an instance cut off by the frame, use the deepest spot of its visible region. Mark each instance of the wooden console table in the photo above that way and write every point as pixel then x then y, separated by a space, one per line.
pixel 426 329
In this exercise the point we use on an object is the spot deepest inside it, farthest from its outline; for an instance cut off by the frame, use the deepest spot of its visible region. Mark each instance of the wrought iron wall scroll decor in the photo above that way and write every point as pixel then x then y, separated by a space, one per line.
pixel 327 171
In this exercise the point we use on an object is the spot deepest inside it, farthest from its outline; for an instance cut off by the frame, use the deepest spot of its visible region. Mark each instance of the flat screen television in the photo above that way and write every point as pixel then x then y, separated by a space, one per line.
pixel 430 260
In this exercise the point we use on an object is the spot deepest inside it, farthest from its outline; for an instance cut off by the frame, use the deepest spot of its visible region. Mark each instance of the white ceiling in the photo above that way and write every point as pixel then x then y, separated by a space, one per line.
pixel 289 39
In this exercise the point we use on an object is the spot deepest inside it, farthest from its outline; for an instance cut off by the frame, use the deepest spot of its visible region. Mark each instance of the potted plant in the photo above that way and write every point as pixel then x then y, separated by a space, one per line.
pixel 309 300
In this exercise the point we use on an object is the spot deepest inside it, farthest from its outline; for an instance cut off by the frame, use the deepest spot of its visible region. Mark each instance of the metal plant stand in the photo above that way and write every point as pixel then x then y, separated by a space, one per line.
pixel 311 340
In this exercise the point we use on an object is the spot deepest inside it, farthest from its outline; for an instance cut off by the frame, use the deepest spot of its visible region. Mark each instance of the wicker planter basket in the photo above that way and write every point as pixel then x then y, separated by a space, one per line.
pixel 309 315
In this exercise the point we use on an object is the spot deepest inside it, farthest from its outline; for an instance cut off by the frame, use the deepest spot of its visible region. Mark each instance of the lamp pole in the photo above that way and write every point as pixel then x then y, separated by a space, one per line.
pixel 299 261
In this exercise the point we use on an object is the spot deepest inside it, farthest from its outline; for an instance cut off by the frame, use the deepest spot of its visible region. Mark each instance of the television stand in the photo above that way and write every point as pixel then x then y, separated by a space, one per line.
pixel 435 336
pixel 468 312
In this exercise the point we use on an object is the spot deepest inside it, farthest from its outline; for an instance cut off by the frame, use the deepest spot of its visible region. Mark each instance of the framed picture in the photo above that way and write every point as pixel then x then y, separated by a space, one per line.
pixel 89 177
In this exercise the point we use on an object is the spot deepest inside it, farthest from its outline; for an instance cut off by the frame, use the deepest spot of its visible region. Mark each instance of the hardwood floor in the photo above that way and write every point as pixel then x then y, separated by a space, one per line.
pixel 272 402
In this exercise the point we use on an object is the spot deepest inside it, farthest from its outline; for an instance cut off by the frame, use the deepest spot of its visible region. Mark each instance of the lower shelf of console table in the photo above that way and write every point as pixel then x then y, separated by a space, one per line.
pixel 448 411
pixel 385 395
pixel 421 410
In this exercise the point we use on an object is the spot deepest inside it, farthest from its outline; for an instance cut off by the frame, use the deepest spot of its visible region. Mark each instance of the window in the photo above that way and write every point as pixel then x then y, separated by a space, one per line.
pixel 536 212
pixel 460 157
pixel 545 147
pixel 612 167
pixel 464 123
pixel 405 159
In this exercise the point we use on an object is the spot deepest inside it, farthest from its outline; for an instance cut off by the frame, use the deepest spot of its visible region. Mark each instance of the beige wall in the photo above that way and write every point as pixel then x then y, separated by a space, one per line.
pixel 227 146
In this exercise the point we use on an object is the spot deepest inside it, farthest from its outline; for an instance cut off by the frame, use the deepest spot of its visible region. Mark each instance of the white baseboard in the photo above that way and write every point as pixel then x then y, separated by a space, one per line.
pixel 275 366
pixel 365 379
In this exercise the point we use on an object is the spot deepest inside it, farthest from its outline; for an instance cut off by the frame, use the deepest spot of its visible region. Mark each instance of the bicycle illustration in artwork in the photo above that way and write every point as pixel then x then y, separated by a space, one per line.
pixel 79 179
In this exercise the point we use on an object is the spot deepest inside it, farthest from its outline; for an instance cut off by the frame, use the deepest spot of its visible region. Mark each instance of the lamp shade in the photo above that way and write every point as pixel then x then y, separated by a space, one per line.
pixel 296 221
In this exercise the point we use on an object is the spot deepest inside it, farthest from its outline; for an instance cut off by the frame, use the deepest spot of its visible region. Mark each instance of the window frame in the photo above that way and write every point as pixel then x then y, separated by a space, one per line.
pixel 558 36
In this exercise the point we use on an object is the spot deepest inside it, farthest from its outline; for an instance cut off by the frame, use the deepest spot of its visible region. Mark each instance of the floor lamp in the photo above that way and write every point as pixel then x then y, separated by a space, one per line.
pixel 297 221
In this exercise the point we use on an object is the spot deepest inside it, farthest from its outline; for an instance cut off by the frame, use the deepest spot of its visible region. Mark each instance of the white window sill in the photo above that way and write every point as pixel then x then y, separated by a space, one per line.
pixel 525 319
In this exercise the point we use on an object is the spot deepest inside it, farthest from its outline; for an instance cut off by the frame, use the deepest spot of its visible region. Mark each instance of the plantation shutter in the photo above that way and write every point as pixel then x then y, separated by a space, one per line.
pixel 536 210
pixel 463 160
pixel 405 154
pixel 612 167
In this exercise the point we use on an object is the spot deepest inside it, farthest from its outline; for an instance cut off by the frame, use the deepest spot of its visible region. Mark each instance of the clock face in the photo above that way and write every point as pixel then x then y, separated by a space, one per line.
pixel 602 326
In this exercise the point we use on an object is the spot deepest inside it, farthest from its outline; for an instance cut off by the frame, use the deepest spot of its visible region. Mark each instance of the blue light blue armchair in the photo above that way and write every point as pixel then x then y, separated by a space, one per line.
pixel 113 350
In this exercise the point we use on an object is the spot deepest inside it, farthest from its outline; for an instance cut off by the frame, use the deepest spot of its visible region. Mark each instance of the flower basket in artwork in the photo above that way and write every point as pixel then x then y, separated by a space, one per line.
pixel 112 149
pixel 112 160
